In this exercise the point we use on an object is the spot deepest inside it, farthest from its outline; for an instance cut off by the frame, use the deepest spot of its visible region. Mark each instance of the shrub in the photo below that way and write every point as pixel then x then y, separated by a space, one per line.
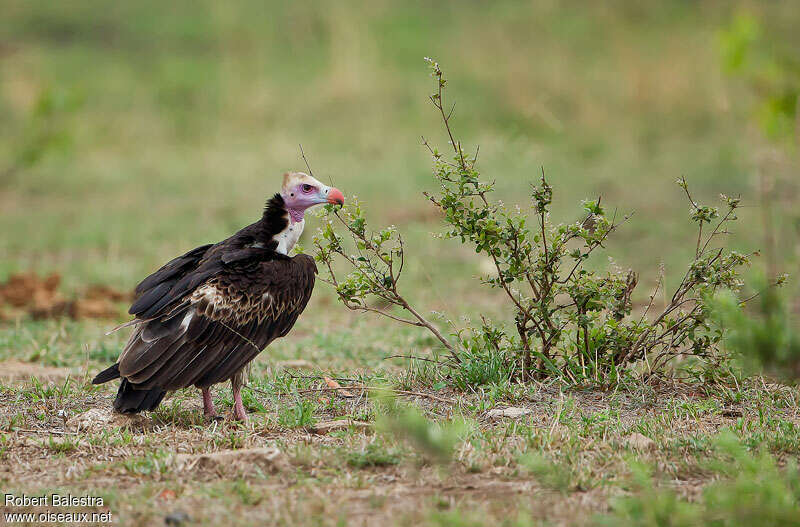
pixel 566 320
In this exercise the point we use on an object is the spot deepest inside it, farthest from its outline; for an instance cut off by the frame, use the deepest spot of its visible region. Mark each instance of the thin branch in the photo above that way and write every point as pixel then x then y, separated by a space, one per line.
pixel 652 298
pixel 303 155
pixel 356 307
pixel 446 119
pixel 716 230
pixel 388 293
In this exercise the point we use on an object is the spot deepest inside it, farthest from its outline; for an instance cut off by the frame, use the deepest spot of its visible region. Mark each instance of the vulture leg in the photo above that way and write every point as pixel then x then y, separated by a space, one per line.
pixel 238 407
pixel 208 404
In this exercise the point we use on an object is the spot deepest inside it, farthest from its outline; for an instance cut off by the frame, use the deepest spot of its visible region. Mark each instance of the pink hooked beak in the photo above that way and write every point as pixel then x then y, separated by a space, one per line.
pixel 335 196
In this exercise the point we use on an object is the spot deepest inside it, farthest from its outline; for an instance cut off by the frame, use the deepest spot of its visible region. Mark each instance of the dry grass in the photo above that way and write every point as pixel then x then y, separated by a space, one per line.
pixel 362 477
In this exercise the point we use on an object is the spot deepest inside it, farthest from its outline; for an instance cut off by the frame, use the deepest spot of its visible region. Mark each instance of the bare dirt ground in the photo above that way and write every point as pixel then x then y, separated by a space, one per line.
pixel 15 370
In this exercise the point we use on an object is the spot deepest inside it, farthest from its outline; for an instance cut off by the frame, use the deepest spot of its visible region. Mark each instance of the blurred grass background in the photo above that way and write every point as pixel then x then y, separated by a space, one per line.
pixel 168 125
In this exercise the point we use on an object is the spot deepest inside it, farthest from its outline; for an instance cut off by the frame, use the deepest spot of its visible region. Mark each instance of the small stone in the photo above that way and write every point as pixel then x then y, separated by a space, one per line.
pixel 324 427
pixel 512 412
pixel 641 442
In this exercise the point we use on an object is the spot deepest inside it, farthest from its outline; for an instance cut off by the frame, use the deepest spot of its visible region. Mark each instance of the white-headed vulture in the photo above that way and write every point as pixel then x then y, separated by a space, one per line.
pixel 205 315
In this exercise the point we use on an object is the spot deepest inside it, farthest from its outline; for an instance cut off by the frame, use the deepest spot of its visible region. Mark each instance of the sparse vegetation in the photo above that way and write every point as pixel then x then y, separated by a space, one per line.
pixel 375 454
pixel 128 138
pixel 297 415
pixel 753 490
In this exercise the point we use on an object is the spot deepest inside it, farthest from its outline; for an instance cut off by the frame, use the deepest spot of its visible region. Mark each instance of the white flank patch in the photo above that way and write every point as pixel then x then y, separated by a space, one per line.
pixel 209 292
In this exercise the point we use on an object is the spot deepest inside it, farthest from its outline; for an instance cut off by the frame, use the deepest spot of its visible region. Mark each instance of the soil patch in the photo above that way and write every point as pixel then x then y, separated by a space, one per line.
pixel 28 294
pixel 14 370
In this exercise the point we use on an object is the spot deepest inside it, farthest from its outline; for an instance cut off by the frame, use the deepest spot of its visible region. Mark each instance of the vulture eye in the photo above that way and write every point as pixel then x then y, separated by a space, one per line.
pixel 307 188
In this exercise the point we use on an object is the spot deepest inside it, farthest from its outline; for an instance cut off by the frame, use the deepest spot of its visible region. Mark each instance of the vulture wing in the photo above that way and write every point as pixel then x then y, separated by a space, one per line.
pixel 166 277
pixel 208 313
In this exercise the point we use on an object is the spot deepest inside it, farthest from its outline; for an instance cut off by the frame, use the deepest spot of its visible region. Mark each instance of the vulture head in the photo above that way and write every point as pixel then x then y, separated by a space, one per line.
pixel 301 191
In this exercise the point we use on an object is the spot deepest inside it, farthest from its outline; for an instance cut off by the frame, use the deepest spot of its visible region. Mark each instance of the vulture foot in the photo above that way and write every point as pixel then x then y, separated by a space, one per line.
pixel 208 405
pixel 239 413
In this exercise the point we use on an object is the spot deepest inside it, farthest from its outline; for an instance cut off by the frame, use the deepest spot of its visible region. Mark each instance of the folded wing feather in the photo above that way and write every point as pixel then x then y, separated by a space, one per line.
pixel 208 313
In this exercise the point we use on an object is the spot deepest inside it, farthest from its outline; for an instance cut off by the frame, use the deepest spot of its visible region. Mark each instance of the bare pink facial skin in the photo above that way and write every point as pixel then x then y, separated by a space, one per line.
pixel 301 191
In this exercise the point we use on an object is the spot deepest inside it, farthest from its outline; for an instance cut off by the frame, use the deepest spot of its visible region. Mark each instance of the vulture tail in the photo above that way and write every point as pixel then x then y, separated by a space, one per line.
pixel 132 401
pixel 109 374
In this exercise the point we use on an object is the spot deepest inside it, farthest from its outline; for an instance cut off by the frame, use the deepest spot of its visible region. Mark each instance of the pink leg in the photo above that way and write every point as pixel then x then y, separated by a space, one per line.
pixel 238 407
pixel 208 403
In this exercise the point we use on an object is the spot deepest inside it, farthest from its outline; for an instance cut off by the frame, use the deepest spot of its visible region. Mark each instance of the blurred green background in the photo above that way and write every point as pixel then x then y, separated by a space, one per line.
pixel 134 131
